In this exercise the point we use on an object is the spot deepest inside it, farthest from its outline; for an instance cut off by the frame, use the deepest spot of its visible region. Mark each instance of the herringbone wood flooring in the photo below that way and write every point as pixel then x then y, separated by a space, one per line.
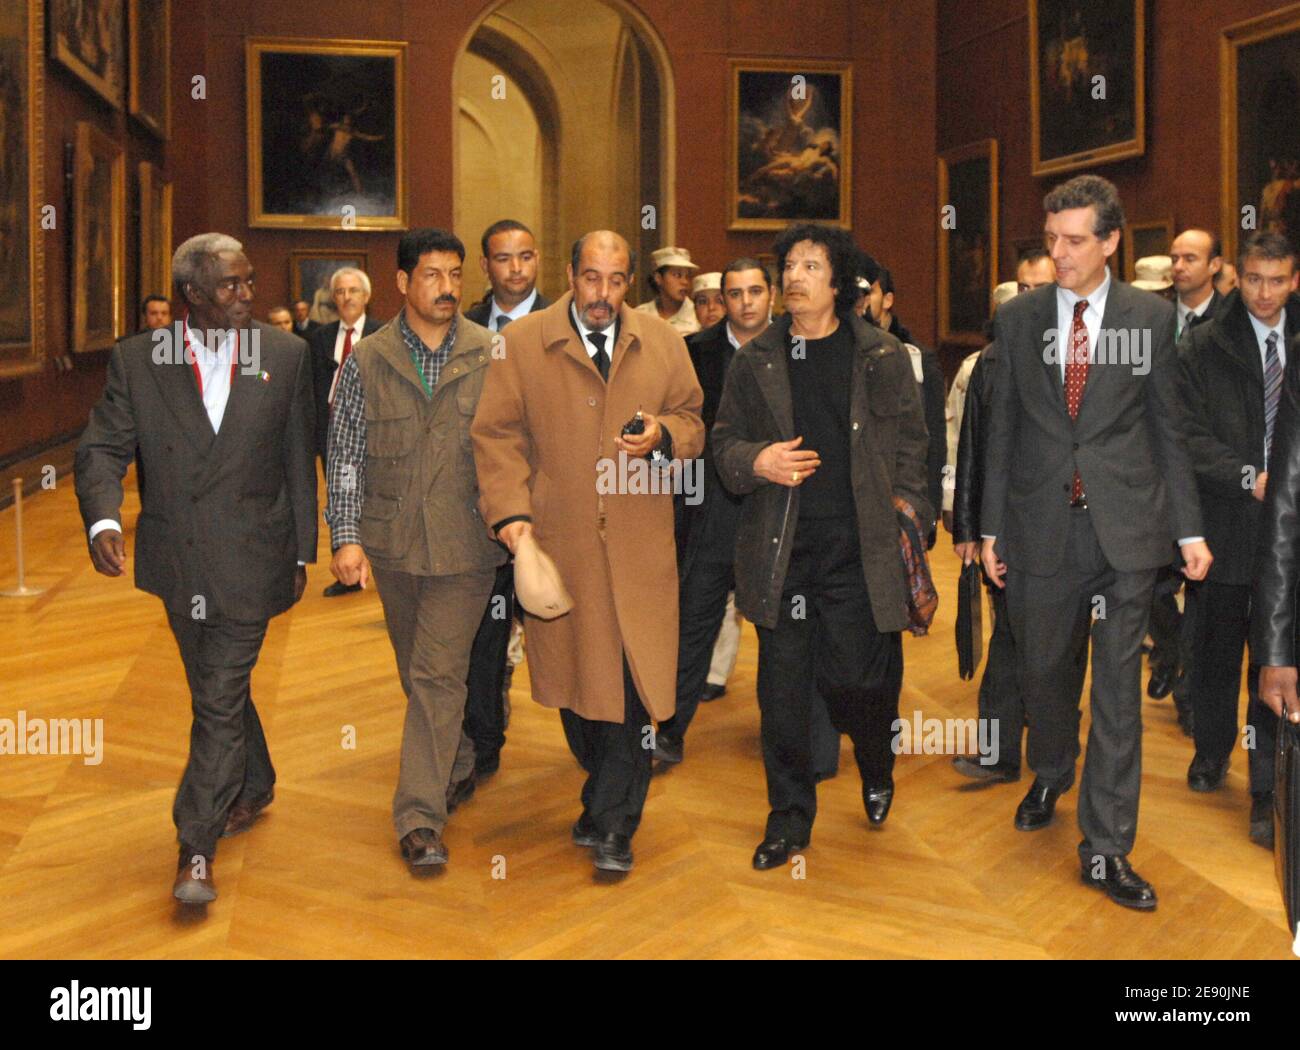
pixel 87 852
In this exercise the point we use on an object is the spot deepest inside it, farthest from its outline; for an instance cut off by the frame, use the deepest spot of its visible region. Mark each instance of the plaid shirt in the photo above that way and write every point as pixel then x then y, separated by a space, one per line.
pixel 345 472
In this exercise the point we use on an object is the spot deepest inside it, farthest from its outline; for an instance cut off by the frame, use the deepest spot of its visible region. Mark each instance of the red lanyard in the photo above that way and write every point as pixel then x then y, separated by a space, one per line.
pixel 194 358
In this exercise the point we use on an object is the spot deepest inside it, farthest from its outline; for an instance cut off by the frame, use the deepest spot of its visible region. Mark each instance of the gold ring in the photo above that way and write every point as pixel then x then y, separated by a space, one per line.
pixel 795 477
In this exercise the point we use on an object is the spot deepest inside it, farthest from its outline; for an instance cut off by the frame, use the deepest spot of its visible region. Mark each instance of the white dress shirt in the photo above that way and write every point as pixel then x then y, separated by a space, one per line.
pixel 610 334
pixel 1065 300
pixel 214 367
pixel 1261 335
pixel 1187 313
pixel 522 310
pixel 358 326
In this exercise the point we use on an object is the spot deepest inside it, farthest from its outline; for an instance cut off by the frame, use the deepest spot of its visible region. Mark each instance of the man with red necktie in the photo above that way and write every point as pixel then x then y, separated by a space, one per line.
pixel 220 408
pixel 1087 488
pixel 331 345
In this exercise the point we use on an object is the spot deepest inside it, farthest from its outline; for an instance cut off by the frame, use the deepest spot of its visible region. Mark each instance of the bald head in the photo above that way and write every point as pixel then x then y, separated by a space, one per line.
pixel 1196 256
pixel 600 273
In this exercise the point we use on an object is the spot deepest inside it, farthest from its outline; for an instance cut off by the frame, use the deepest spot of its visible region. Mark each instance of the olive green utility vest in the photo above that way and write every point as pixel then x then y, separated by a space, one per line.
pixel 419 512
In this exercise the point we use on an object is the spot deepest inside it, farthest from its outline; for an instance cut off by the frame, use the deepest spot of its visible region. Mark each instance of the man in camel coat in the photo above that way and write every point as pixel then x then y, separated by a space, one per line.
pixel 552 461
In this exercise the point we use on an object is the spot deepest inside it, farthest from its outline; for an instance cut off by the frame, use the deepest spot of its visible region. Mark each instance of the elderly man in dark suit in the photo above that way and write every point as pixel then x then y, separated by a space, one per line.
pixel 220 407
pixel 509 260
pixel 1232 371
pixel 331 345
pixel 1087 487
pixel 820 429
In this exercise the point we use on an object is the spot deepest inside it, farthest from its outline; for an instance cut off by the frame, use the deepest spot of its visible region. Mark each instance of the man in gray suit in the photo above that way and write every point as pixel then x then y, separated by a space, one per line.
pixel 220 408
pixel 1087 487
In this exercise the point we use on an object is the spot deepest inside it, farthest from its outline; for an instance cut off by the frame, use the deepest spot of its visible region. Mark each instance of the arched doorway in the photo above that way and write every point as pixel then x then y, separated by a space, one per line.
pixel 562 120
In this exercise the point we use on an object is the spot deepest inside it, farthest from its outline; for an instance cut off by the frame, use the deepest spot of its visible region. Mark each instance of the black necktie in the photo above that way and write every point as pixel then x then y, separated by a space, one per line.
pixel 602 358
pixel 502 321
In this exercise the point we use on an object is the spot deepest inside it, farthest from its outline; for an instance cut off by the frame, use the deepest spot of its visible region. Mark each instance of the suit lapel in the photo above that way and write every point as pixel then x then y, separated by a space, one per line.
pixel 1045 322
pixel 180 393
pixel 1105 367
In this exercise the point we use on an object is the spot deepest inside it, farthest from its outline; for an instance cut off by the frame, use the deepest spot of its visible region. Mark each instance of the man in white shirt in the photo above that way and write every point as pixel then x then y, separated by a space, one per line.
pixel 509 261
pixel 220 408
pixel 331 345
pixel 1198 258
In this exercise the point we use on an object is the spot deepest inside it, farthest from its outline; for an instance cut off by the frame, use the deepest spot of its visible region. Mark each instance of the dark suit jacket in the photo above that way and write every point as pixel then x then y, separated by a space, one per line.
pixel 1215 305
pixel 323 367
pixel 709 528
pixel 1127 443
pixel 1223 387
pixel 225 516
pixel 306 330
pixel 482 310
pixel 1273 603
pixel 887 459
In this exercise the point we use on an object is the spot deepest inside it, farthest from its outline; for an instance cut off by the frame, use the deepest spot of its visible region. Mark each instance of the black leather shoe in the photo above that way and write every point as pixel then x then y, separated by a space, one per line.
pixel 773 853
pixel 423 848
pixel 713 692
pixel 1204 775
pixel 1037 808
pixel 668 749
pixel 613 853
pixel 1261 820
pixel 1160 684
pixel 877 800
pixel 585 832
pixel 1121 884
pixel 339 587
pixel 460 792
pixel 998 773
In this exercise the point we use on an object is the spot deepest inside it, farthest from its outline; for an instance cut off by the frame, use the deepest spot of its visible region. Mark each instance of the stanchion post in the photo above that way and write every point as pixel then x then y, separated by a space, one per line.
pixel 22 590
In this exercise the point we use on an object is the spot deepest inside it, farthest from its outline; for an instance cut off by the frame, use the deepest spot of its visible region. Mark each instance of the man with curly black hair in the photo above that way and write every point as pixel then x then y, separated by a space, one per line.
pixel 820 428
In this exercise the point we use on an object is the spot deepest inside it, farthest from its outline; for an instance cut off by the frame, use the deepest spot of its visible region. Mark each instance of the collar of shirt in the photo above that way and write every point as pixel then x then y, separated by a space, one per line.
pixel 585 332
pixel 522 310
pixel 206 355
pixel 358 326
pixel 417 345
pixel 1096 310
pixel 1261 335
pixel 731 336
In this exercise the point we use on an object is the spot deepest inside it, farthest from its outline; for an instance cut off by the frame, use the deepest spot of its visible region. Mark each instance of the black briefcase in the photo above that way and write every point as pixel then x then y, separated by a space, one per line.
pixel 970 622
pixel 1286 821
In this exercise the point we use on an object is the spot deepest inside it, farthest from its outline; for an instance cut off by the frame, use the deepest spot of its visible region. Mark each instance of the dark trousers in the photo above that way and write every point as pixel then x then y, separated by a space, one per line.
pixel 825 640
pixel 1000 699
pixel 617 758
pixel 1052 619
pixel 229 760
pixel 1223 625
pixel 702 603
pixel 485 717
pixel 1166 648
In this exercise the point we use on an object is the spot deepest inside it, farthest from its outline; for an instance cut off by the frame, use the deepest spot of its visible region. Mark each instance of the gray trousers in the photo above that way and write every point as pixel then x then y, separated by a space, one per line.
pixel 228 758
pixel 431 622
pixel 1052 620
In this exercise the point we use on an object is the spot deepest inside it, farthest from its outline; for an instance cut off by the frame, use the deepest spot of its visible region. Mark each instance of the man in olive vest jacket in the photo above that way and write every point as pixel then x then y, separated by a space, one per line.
pixel 403 502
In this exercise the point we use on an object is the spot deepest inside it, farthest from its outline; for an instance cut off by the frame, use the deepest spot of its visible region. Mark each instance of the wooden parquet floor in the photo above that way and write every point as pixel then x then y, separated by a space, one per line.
pixel 87 852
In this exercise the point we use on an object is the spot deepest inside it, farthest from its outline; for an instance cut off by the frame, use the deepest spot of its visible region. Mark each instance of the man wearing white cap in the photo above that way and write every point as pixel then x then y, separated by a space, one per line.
pixel 671 270
pixel 706 294
pixel 1155 273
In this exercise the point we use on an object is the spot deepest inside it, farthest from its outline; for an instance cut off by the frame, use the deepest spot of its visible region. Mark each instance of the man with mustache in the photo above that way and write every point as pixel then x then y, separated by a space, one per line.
pixel 549 426
pixel 220 409
pixel 403 503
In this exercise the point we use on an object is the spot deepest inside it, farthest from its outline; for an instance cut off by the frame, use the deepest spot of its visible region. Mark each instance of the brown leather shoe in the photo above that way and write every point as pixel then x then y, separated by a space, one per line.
pixel 194 883
pixel 423 848
pixel 243 813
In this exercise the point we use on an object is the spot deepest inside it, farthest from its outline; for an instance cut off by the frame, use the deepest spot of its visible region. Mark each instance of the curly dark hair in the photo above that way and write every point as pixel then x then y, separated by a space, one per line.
pixel 840 249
